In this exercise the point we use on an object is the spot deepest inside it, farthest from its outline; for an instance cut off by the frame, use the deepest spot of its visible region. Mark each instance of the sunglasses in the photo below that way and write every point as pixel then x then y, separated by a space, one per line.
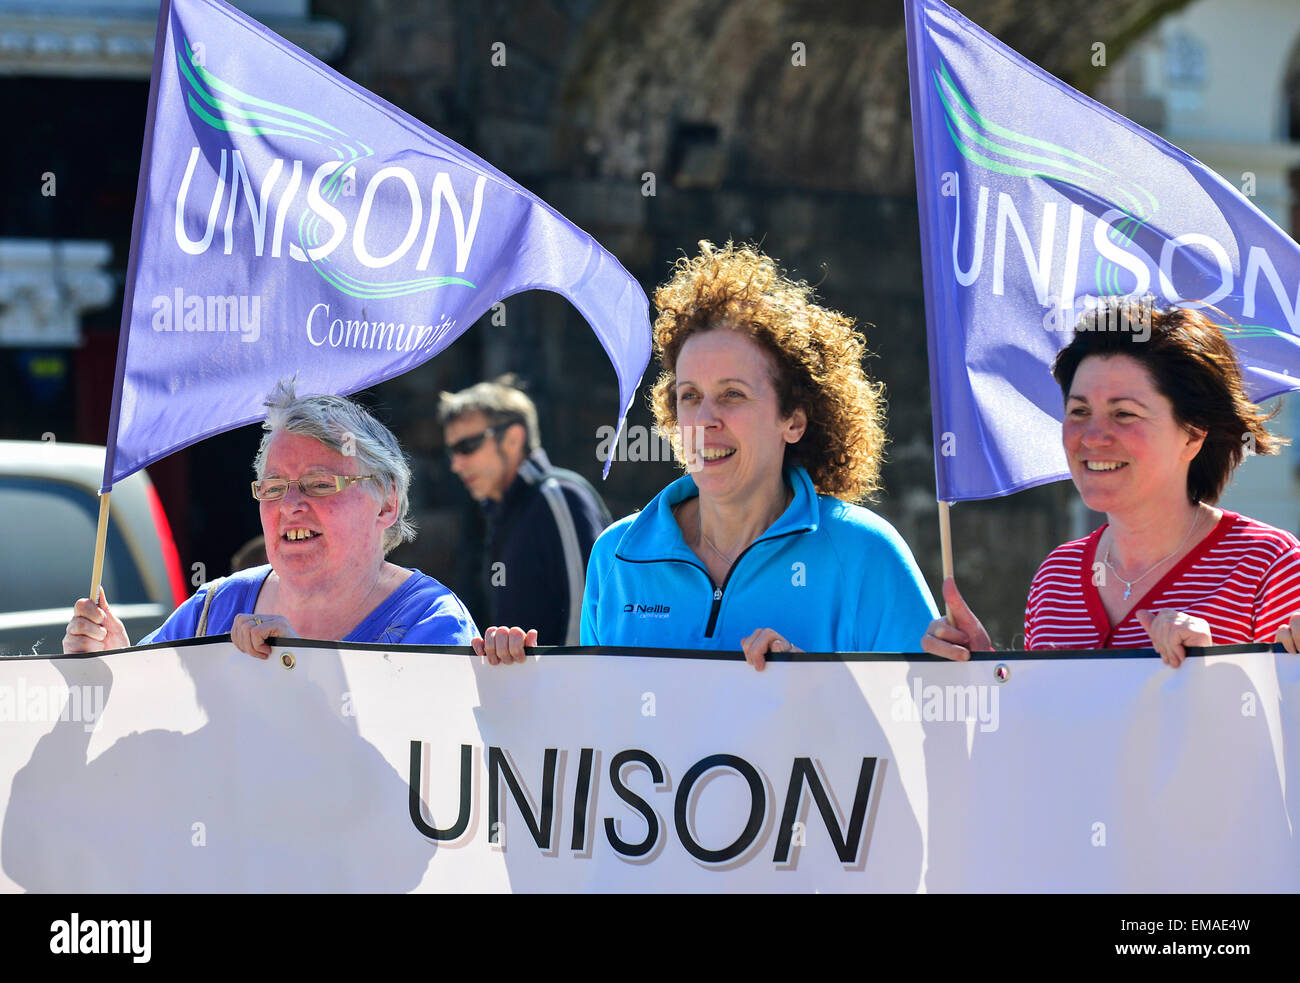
pixel 468 445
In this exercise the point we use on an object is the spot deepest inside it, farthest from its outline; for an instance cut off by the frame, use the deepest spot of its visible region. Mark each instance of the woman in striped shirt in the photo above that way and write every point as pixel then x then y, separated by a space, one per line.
pixel 1156 419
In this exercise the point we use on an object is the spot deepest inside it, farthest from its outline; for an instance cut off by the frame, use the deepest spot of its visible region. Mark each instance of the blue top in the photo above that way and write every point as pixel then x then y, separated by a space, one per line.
pixel 828 576
pixel 420 612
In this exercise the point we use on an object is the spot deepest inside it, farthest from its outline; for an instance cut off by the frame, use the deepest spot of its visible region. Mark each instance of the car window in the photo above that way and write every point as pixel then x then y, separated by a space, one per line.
pixel 47 537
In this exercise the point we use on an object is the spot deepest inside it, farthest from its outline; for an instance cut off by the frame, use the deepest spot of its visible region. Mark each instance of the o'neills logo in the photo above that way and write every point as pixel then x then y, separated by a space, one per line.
pixel 370 232
pixel 647 610
pixel 784 834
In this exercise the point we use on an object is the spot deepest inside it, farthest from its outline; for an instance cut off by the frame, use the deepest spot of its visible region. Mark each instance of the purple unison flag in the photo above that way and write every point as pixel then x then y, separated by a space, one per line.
pixel 288 221
pixel 1034 202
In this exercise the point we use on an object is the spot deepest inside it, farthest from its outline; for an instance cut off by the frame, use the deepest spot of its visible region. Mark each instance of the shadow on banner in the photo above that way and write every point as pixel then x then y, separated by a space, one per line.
pixel 207 771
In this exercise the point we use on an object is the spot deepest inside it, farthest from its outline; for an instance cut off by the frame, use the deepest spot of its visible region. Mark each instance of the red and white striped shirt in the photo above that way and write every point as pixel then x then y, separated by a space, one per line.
pixel 1243 579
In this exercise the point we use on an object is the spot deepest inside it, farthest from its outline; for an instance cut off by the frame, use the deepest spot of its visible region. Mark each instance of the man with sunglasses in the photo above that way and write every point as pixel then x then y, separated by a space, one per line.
pixel 540 521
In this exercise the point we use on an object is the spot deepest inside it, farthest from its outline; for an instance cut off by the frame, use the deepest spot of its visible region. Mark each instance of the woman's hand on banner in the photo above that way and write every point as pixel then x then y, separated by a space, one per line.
pixel 94 627
pixel 958 635
pixel 758 644
pixel 1288 636
pixel 1172 631
pixel 250 632
pixel 504 646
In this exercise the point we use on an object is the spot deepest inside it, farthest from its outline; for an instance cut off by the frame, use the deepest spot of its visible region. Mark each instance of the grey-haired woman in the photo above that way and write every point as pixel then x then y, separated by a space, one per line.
pixel 332 487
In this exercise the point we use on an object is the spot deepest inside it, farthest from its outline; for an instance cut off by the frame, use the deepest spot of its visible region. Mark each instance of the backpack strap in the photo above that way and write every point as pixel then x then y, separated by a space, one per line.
pixel 575 566
pixel 202 628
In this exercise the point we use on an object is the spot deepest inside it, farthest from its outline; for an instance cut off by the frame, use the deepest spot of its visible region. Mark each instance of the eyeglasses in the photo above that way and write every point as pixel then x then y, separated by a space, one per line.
pixel 314 486
pixel 468 445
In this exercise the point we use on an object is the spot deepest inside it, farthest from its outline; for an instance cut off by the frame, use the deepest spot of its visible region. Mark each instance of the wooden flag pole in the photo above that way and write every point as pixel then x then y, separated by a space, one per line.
pixel 101 538
pixel 945 546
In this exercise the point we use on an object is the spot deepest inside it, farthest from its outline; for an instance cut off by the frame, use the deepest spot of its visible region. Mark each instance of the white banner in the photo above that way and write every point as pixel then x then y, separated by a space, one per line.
pixel 198 768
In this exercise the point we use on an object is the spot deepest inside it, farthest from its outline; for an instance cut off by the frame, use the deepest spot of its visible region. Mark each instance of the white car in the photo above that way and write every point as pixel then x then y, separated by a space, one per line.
pixel 49 508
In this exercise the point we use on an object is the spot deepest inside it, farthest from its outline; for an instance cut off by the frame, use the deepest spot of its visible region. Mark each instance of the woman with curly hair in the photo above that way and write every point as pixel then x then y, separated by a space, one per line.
pixel 1156 420
pixel 760 546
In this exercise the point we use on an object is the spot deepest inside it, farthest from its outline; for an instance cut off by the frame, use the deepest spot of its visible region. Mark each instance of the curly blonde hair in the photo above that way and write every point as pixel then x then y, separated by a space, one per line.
pixel 817 351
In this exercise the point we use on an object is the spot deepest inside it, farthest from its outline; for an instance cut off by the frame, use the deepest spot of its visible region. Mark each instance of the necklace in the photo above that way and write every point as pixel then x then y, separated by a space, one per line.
pixel 1128 584
pixel 717 591
pixel 730 560
pixel 727 559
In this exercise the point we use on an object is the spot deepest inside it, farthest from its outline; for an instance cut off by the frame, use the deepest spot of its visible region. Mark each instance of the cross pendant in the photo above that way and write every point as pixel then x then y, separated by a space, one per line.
pixel 1127 592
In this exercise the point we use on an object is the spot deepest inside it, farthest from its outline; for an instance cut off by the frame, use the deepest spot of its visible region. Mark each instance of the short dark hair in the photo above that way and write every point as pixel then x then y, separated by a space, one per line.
pixel 502 401
pixel 1193 366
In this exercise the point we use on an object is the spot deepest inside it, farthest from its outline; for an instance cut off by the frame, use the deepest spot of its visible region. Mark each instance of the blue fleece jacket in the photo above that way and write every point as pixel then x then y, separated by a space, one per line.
pixel 828 576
